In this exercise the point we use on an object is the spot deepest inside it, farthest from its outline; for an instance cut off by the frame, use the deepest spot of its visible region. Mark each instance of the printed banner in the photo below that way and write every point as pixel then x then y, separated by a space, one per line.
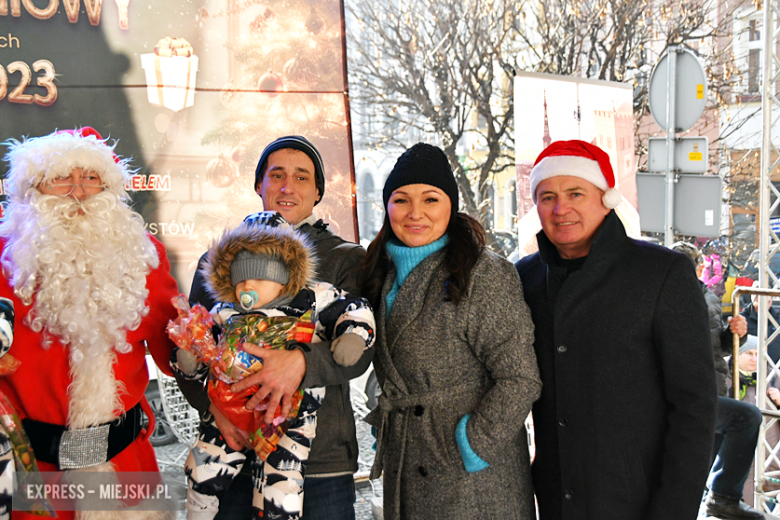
pixel 192 91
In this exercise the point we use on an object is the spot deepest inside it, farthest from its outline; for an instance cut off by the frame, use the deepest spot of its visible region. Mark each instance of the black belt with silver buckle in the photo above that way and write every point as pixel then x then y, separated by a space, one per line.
pixel 80 448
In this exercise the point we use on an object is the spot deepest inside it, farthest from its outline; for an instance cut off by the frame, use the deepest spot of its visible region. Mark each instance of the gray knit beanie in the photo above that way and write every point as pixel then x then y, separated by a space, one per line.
pixel 423 164
pixel 751 343
pixel 250 266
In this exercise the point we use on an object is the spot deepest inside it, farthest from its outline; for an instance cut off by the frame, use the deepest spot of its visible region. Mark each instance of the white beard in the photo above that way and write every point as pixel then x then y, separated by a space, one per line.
pixel 85 275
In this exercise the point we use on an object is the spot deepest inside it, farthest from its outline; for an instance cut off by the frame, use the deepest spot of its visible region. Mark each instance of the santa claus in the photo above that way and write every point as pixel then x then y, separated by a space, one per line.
pixel 91 291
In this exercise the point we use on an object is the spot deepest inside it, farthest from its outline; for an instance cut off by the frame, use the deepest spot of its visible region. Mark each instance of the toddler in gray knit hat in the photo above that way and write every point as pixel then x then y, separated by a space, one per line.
pixel 268 272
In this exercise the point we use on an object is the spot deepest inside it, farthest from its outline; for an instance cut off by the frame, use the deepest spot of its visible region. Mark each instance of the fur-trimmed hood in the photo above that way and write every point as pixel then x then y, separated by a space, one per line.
pixel 291 247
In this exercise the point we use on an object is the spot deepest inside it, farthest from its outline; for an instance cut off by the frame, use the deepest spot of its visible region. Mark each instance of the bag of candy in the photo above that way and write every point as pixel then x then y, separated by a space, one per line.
pixel 234 363
pixel 229 363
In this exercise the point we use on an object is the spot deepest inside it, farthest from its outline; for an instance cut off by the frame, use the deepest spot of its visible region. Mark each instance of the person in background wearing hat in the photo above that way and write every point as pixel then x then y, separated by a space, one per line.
pixel 624 426
pixel 454 356
pixel 91 290
pixel 748 365
pixel 268 271
pixel 290 179
pixel 736 423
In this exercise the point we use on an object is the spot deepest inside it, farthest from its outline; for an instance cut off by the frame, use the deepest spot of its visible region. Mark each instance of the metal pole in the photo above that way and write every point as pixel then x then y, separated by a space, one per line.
pixel 761 386
pixel 739 291
pixel 764 242
pixel 671 133
pixel 735 345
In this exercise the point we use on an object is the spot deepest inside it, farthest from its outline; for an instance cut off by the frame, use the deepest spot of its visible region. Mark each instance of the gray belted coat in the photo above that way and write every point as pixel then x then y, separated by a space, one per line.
pixel 437 362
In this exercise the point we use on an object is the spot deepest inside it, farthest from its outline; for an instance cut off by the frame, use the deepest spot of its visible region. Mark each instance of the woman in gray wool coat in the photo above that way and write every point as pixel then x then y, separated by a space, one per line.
pixel 454 355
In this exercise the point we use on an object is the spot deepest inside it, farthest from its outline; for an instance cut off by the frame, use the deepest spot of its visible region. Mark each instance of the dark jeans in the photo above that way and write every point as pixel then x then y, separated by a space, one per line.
pixel 328 498
pixel 736 435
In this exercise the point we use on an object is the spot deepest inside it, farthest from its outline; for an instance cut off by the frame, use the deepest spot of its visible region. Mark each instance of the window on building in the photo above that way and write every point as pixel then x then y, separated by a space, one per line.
pixel 367 212
pixel 491 204
pixel 754 55
pixel 747 50
pixel 510 205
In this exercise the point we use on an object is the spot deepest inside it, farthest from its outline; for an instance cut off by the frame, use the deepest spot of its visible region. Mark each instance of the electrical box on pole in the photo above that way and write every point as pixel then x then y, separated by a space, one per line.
pixel 691 154
pixel 677 95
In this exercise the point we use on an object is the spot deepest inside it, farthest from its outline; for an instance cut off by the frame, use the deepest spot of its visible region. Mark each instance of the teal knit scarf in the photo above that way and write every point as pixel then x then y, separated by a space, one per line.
pixel 405 260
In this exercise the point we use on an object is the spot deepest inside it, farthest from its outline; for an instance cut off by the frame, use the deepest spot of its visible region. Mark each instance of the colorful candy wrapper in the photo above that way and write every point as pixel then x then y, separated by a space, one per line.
pixel 191 330
pixel 229 363
pixel 233 363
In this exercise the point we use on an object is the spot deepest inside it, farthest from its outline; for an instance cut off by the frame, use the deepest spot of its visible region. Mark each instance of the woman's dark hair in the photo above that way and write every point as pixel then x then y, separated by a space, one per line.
pixel 467 241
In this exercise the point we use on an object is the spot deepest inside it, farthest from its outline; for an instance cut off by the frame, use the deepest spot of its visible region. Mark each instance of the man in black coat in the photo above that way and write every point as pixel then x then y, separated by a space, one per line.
pixel 625 422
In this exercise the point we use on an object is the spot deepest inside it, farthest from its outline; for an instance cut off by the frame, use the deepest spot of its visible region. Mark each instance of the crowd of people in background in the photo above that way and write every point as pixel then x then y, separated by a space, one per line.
pixel 617 347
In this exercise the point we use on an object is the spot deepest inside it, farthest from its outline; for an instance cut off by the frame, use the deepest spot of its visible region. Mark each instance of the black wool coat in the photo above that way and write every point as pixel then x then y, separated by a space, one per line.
pixel 625 422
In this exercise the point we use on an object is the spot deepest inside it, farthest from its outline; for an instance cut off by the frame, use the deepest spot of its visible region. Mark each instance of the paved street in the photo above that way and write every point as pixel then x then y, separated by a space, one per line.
pixel 365 490
pixel 176 454
pixel 172 457
pixel 363 503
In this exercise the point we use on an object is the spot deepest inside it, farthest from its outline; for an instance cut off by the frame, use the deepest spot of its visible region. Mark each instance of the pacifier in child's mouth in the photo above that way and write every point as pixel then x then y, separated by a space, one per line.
pixel 248 299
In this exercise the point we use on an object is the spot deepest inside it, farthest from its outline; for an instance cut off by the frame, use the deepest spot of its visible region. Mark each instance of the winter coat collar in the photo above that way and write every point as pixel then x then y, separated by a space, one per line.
pixel 311 220
pixel 417 288
pixel 317 225
pixel 408 305
pixel 608 247
pixel 610 241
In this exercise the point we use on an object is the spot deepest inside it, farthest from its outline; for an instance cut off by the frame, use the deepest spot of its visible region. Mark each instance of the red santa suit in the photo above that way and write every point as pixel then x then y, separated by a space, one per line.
pixel 39 387
pixel 42 388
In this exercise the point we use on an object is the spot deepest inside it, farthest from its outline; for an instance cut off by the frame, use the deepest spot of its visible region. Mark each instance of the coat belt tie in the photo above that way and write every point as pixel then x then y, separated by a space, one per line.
pixel 390 400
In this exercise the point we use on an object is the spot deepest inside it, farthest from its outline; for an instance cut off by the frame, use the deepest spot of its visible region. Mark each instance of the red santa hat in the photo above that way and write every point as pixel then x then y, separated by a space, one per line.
pixel 42 159
pixel 577 159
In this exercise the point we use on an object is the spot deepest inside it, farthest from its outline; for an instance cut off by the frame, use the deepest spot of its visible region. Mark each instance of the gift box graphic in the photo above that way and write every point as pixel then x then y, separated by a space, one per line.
pixel 170 81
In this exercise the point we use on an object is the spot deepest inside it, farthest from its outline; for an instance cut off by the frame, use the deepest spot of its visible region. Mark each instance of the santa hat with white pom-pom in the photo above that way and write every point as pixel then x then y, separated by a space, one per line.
pixel 39 160
pixel 577 159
